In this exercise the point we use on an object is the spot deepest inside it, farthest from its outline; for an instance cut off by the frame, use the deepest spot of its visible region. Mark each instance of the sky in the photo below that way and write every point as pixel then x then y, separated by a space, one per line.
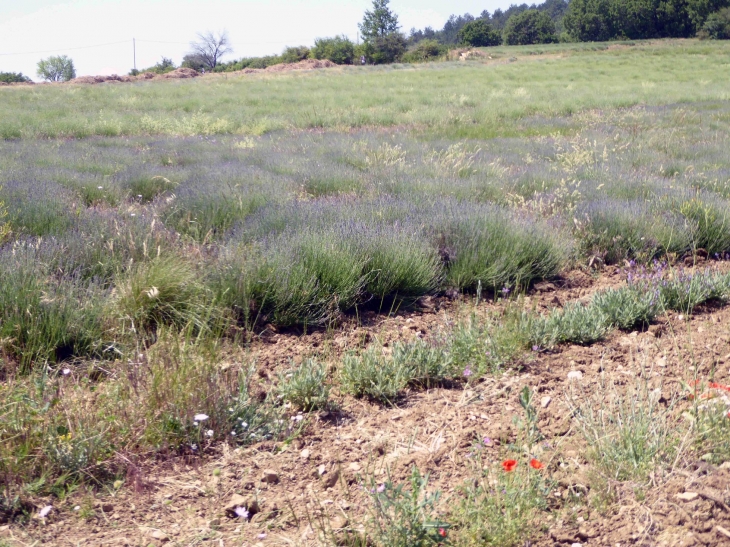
pixel 97 34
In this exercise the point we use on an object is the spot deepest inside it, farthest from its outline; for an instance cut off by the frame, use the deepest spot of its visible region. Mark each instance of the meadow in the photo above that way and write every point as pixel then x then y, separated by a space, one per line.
pixel 153 231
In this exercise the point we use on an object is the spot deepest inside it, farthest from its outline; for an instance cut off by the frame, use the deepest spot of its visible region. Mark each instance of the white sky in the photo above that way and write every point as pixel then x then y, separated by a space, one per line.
pixel 33 29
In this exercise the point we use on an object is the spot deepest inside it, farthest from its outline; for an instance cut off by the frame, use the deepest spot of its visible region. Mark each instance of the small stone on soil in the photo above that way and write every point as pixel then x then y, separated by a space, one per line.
pixel 270 477
pixel 331 479
pixel 575 375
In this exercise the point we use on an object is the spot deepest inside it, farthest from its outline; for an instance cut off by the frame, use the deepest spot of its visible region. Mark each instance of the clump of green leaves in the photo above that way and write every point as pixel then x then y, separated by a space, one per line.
pixel 575 323
pixel 629 432
pixel 383 377
pixel 148 188
pixel 478 347
pixel 165 290
pixel 306 386
pixel 628 307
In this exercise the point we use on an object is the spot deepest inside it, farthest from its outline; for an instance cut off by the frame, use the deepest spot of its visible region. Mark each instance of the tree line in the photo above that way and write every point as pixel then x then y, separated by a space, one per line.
pixel 384 42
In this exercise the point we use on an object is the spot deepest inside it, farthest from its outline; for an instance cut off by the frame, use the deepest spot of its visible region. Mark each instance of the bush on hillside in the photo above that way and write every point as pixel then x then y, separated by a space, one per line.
pixel 196 62
pixel 13 77
pixel 479 33
pixel 163 67
pixel 294 54
pixel 529 27
pixel 385 49
pixel 425 50
pixel 339 50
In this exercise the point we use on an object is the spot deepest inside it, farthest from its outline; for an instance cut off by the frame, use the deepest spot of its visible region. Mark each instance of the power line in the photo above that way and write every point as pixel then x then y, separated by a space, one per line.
pixel 160 42
pixel 65 49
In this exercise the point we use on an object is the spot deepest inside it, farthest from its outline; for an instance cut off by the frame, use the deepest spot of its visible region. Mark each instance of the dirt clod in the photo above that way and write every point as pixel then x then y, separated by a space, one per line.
pixel 270 477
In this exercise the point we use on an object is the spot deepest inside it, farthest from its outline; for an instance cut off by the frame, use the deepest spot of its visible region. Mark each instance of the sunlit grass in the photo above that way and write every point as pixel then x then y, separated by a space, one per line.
pixel 463 100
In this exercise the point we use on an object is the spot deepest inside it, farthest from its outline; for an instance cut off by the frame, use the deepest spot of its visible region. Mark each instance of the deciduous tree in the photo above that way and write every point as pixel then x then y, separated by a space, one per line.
pixel 57 68
pixel 210 48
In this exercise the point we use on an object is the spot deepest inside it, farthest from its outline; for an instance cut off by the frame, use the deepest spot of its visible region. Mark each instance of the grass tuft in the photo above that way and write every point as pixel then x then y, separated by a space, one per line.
pixel 306 386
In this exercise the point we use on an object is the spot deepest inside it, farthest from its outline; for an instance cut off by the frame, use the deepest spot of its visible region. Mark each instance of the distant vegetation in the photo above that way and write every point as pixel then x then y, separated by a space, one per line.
pixel 13 77
pixel 384 42
pixel 163 67
pixel 56 69
pixel 549 22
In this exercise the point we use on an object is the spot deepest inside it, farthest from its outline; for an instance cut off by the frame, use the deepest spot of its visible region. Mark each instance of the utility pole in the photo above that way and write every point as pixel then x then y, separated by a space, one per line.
pixel 134 52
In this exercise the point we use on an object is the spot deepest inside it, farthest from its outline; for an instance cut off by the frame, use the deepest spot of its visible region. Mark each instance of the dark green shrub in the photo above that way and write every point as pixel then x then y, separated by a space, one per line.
pixel 717 26
pixel 425 50
pixel 339 50
pixel 712 219
pixel 13 77
pixel 294 54
pixel 44 320
pixel 479 33
pixel 163 291
pixel 400 265
pixel 498 251
pixel 529 27
pixel 385 49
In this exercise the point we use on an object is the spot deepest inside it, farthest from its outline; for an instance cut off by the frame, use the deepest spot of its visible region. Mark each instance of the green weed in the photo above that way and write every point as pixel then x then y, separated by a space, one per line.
pixel 306 386
pixel 499 507
pixel 629 433
pixel 163 291
pixel 627 307
pixel 383 377
pixel 405 515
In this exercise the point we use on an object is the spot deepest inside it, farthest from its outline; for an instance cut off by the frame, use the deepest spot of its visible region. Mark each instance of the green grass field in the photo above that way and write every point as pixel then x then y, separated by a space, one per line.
pixel 150 231
pixel 459 100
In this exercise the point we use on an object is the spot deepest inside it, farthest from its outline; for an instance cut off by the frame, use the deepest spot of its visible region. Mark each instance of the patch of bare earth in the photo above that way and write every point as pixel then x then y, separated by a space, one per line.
pixel 314 482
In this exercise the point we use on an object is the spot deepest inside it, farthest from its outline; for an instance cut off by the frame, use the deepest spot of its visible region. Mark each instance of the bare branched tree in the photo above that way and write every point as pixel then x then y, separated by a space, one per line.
pixel 211 47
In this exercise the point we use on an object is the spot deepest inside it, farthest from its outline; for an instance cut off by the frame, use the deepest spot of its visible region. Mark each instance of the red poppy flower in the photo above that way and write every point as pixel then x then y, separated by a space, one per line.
pixel 536 464
pixel 509 465
pixel 715 385
pixel 442 532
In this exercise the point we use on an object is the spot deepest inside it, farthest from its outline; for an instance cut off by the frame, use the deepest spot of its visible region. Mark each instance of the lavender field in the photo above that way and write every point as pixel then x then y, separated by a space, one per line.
pixel 138 257
pixel 296 229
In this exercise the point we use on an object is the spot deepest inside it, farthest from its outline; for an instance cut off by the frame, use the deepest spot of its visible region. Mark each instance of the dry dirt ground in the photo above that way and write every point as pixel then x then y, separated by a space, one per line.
pixel 314 482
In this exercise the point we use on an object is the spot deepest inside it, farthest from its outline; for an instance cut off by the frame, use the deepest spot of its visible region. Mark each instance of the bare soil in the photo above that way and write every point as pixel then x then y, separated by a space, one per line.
pixel 315 481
